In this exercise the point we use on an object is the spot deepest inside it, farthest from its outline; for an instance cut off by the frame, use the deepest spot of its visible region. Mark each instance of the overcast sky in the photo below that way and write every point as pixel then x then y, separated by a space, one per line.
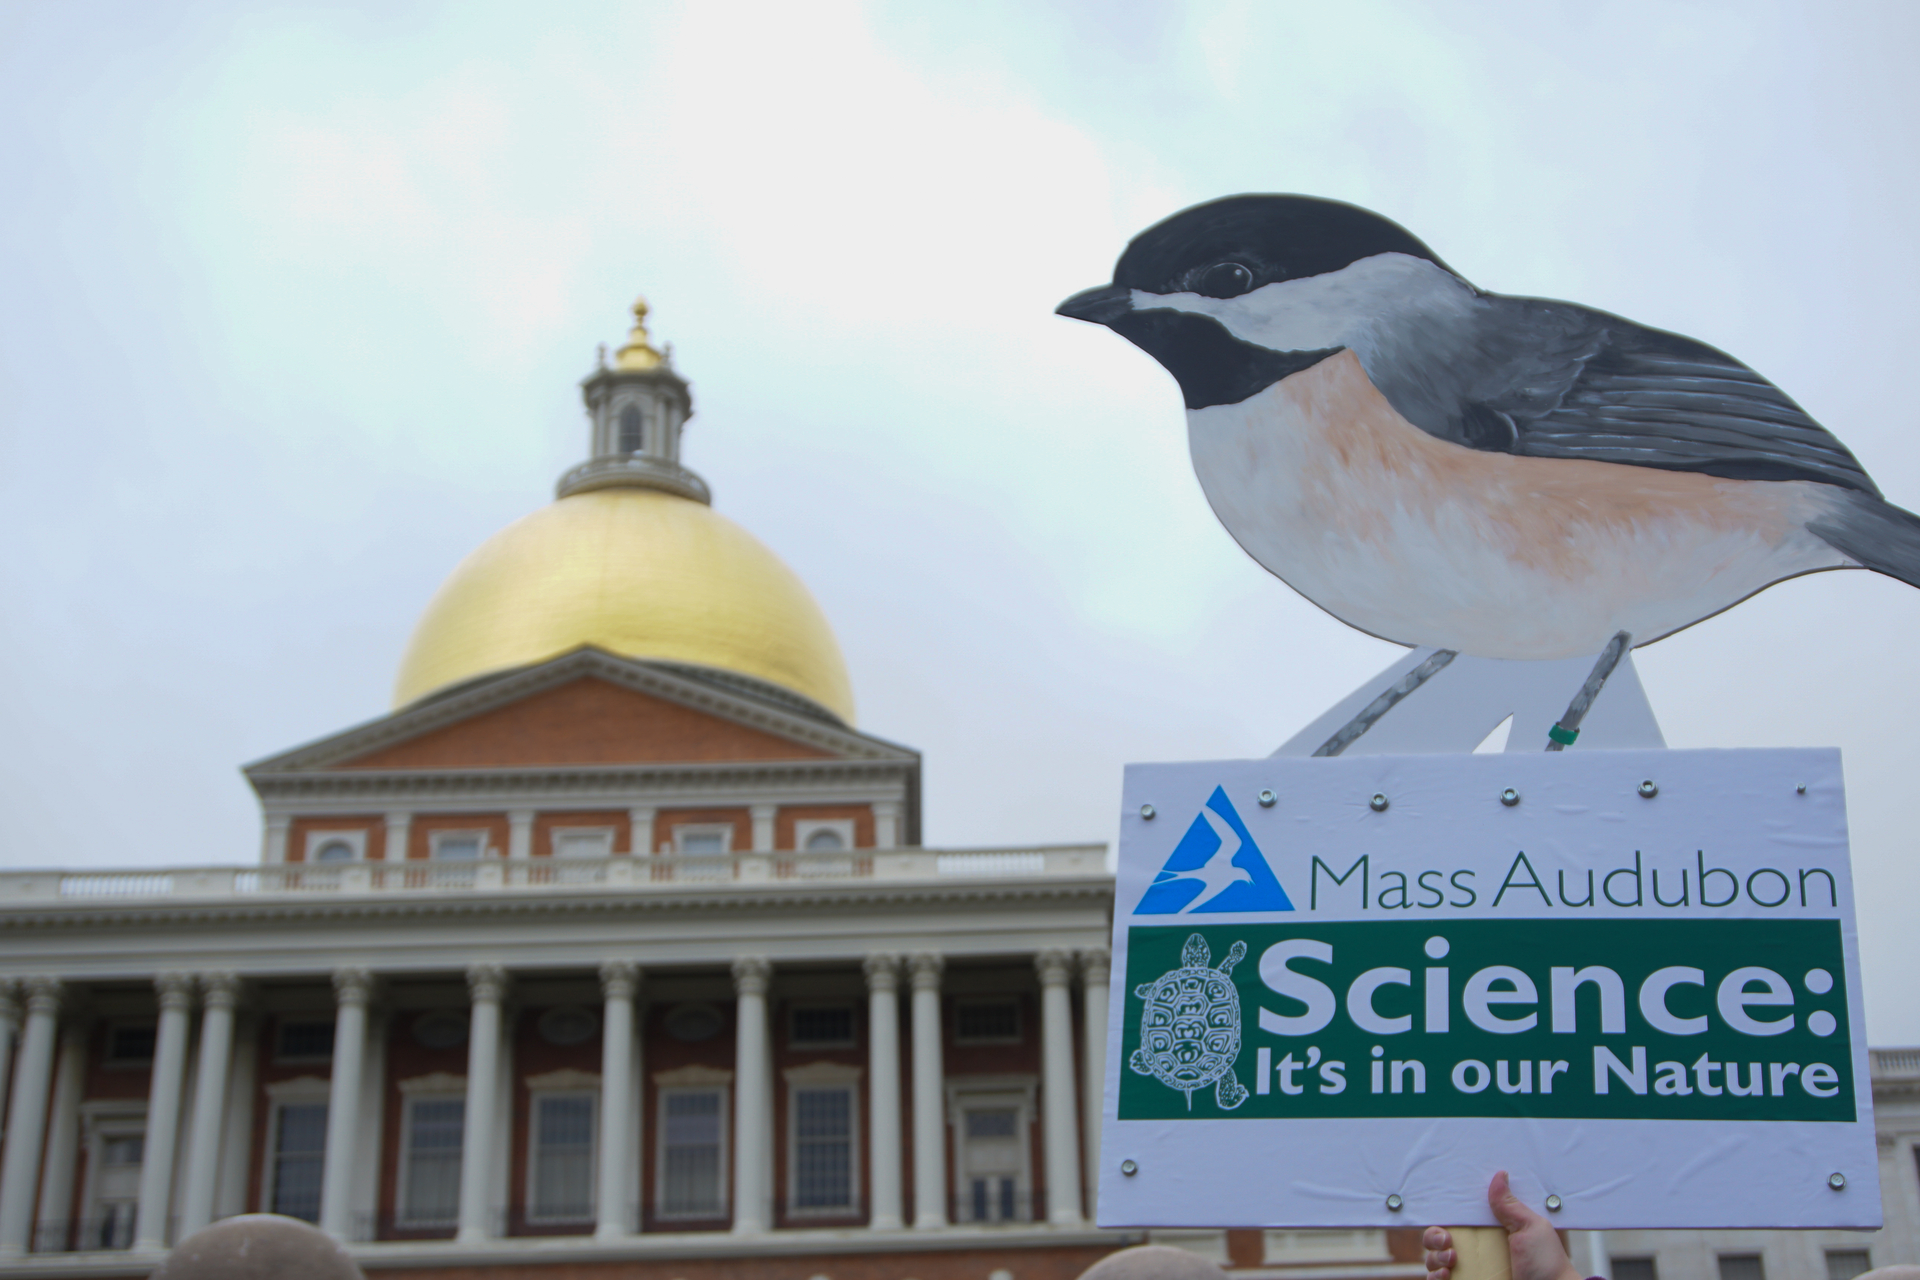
pixel 296 299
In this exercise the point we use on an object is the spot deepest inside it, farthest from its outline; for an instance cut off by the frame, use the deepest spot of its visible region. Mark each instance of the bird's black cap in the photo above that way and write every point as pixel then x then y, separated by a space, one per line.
pixel 1275 237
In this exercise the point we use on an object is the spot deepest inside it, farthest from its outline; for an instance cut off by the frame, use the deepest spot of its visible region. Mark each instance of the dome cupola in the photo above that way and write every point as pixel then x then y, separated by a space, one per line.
pixel 638 406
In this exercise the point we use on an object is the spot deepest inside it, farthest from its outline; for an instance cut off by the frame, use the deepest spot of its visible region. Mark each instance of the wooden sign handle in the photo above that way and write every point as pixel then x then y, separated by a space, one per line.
pixel 1480 1253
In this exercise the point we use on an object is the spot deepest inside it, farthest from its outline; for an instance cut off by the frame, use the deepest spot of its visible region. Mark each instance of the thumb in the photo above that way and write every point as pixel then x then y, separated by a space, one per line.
pixel 1512 1215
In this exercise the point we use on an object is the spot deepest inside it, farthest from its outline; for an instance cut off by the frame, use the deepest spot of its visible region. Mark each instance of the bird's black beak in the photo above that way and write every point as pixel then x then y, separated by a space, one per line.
pixel 1098 306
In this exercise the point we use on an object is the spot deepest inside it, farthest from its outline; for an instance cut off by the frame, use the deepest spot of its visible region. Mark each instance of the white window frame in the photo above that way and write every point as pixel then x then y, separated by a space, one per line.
pixel 436 839
pixel 681 830
pixel 438 1087
pixel 692 1080
pixel 535 1095
pixel 823 1076
pixel 995 1093
pixel 804 829
pixel 793 1017
pixel 102 1121
pixel 1019 1035
pixel 312 842
pixel 301 1091
pixel 557 836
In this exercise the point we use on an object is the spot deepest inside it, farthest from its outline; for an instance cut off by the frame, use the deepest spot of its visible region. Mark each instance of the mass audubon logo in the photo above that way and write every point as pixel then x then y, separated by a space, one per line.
pixel 1216 867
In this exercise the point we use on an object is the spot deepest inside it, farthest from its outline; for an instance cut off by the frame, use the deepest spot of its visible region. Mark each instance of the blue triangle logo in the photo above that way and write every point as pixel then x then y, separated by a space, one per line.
pixel 1215 867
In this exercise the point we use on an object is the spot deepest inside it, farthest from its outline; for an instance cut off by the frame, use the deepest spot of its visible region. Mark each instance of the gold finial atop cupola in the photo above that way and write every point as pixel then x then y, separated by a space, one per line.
pixel 639 353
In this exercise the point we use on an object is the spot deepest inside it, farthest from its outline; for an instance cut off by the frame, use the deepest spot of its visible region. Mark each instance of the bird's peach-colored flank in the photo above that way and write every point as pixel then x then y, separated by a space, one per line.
pixel 1550 513
pixel 1423 541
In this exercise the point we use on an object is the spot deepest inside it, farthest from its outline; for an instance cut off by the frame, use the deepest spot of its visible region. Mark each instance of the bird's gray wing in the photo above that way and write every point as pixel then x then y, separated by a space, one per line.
pixel 1550 379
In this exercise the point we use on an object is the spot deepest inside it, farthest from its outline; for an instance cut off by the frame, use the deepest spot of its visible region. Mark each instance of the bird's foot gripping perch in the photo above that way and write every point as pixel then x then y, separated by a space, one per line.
pixel 1562 735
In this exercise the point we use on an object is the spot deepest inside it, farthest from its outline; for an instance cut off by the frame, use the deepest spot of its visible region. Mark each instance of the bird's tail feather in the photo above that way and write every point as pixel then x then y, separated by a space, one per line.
pixel 1876 534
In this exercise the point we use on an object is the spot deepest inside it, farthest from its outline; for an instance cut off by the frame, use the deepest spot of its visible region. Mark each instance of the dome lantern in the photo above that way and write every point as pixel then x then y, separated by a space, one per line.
pixel 638 407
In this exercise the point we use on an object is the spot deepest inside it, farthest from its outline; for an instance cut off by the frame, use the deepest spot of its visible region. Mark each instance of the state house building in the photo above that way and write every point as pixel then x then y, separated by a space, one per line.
pixel 613 951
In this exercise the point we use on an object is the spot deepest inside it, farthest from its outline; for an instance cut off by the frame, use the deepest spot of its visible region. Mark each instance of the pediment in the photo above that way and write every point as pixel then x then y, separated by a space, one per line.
pixel 590 708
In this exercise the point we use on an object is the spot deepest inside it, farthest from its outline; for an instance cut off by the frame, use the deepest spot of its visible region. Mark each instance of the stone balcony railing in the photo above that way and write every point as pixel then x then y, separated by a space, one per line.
pixel 561 874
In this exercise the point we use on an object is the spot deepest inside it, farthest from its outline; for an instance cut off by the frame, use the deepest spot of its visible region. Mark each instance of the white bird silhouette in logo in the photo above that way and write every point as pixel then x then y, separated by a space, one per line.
pixel 1217 874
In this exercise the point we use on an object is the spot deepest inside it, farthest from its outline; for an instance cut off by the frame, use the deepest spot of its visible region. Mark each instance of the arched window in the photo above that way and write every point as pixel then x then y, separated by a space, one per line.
pixel 824 839
pixel 632 431
pixel 334 851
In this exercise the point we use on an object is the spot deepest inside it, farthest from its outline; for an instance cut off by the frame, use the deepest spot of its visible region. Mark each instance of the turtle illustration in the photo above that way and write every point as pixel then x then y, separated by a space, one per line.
pixel 1190 1030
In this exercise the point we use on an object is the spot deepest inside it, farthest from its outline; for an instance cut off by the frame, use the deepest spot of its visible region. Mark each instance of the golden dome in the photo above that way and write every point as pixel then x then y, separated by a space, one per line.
pixel 637 572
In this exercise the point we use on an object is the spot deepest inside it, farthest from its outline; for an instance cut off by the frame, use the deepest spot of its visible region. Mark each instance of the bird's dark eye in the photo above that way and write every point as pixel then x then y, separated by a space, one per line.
pixel 1224 280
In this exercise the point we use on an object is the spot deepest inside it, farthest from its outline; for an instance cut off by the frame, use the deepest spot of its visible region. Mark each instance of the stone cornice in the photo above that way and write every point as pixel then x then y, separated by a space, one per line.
pixel 581 782
pixel 783 896
pixel 685 687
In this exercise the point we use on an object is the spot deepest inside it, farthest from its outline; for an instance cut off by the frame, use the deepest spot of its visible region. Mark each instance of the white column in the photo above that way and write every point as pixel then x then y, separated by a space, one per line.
pixel 9 1027
pixel 230 1197
pixel 488 985
pixel 883 1062
pixel 399 826
pixel 1095 973
pixel 640 830
pixel 929 1094
pixel 352 988
pixel 752 1092
pixel 886 824
pixel 218 993
pixel 163 1112
pixel 618 1133
pixel 27 1116
pixel 519 833
pixel 63 1128
pixel 763 816
pixel 1060 1102
pixel 273 850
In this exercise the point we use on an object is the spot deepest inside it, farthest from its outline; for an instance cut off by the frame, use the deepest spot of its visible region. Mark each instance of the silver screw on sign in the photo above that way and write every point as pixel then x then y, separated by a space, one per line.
pixel 1129 1168
pixel 1378 804
pixel 1509 797
pixel 1553 1204
pixel 1146 811
pixel 1838 1181
pixel 1394 1202
pixel 1647 790
pixel 1267 799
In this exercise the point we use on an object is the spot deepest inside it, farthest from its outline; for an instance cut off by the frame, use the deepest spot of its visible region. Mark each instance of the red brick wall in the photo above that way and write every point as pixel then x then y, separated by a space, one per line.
pixel 862 815
pixel 374 826
pixel 741 820
pixel 1031 1263
pixel 585 721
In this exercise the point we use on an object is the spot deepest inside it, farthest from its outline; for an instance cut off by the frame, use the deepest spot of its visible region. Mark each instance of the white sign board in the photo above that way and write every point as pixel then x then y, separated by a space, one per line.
pixel 1346 991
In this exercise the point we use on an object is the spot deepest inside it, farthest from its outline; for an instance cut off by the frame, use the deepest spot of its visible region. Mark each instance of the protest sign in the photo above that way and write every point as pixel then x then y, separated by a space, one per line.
pixel 1347 990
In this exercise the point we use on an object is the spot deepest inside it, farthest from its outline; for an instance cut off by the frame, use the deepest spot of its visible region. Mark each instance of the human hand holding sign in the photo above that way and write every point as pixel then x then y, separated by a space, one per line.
pixel 1532 1243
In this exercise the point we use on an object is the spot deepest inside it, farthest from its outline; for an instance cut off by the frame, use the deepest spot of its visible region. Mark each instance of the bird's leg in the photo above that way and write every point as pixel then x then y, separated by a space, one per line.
pixel 1370 715
pixel 1561 735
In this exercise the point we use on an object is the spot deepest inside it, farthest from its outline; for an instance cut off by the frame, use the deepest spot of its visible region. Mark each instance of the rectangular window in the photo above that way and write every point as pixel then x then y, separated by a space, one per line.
pixel 299 1148
pixel 583 842
pixel 1741 1266
pixel 823 1026
pixel 987 1021
pixel 991 1165
pixel 305 1041
pixel 1635 1269
pixel 116 1192
pixel 430 1183
pixel 702 839
pixel 823 1149
pixel 458 844
pixel 1845 1264
pixel 563 1134
pixel 130 1043
pixel 692 1153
